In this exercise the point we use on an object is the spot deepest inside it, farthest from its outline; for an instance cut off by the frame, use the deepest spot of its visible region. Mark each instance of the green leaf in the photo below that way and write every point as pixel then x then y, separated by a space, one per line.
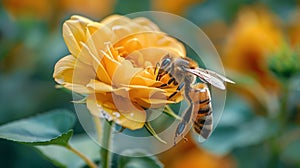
pixel 137 159
pixel 291 153
pixel 252 156
pixel 62 157
pixel 44 129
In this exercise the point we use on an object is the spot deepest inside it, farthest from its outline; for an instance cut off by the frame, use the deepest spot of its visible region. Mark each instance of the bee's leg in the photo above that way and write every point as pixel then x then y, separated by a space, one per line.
pixel 177 90
pixel 179 131
pixel 157 71
pixel 156 68
pixel 160 74
pixel 172 80
pixel 163 85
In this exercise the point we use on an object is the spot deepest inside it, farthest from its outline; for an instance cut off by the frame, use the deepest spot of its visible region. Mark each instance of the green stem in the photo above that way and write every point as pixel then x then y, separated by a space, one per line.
pixel 98 126
pixel 274 142
pixel 284 106
pixel 275 151
pixel 104 151
pixel 90 163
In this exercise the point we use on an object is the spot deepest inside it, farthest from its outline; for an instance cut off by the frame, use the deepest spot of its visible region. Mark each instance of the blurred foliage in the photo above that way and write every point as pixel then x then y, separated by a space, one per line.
pixel 139 160
pixel 285 63
pixel 258 41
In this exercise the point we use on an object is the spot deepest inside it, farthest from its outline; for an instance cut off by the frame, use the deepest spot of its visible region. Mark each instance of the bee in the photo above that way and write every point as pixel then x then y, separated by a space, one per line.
pixel 183 73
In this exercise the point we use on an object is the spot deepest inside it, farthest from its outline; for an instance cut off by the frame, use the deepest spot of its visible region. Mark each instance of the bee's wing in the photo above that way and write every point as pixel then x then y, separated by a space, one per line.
pixel 211 77
pixel 220 76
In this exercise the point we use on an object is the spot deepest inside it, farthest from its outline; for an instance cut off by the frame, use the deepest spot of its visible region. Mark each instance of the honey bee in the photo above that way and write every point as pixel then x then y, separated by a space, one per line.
pixel 183 73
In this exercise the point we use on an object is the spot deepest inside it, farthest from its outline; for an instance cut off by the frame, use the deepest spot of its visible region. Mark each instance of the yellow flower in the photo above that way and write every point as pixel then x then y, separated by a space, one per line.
pixel 253 38
pixel 41 8
pixel 177 7
pixel 194 157
pixel 49 9
pixel 294 29
pixel 93 8
pixel 113 62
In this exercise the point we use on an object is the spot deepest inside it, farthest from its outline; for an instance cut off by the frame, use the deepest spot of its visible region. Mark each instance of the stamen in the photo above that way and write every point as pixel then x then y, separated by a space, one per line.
pixel 104 53
pixel 108 46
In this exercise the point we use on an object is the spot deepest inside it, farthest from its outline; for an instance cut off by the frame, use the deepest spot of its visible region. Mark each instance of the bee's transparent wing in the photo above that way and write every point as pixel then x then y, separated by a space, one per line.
pixel 210 77
pixel 220 76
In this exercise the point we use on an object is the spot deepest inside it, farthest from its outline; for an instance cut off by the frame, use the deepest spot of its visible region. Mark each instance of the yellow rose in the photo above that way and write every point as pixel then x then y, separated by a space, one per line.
pixel 253 38
pixel 113 63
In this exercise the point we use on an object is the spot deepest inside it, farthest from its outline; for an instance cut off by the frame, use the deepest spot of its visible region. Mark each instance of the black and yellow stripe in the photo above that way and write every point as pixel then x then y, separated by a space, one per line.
pixel 202 109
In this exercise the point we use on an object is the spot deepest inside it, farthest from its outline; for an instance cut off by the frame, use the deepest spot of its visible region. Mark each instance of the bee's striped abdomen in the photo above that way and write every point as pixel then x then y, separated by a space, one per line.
pixel 202 110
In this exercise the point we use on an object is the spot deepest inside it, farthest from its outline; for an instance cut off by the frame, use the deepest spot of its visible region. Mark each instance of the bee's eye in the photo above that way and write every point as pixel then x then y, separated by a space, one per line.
pixel 165 62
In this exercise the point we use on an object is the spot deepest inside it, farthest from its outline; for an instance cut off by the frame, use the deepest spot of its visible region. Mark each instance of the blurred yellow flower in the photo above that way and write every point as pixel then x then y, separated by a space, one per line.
pixel 196 158
pixel 294 31
pixel 113 63
pixel 40 8
pixel 253 38
pixel 188 154
pixel 177 7
pixel 216 31
pixel 92 8
pixel 49 9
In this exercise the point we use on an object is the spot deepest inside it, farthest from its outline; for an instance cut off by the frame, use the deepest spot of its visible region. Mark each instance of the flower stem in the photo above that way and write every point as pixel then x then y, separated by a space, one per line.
pixel 275 151
pixel 104 151
pixel 274 144
pixel 90 163
pixel 98 128
pixel 284 105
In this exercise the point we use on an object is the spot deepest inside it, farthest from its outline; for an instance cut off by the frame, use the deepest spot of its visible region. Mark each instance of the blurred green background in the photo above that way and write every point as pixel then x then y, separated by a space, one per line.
pixel 257 40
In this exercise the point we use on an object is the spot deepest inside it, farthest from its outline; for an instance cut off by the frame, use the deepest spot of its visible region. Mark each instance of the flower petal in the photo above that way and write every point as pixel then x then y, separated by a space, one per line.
pixel 124 73
pixel 113 20
pixel 150 39
pixel 74 31
pixel 121 31
pixel 78 88
pixel 146 23
pixel 143 57
pixel 70 70
pixel 153 103
pixel 63 70
pixel 133 118
pixel 99 87
pixel 100 37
